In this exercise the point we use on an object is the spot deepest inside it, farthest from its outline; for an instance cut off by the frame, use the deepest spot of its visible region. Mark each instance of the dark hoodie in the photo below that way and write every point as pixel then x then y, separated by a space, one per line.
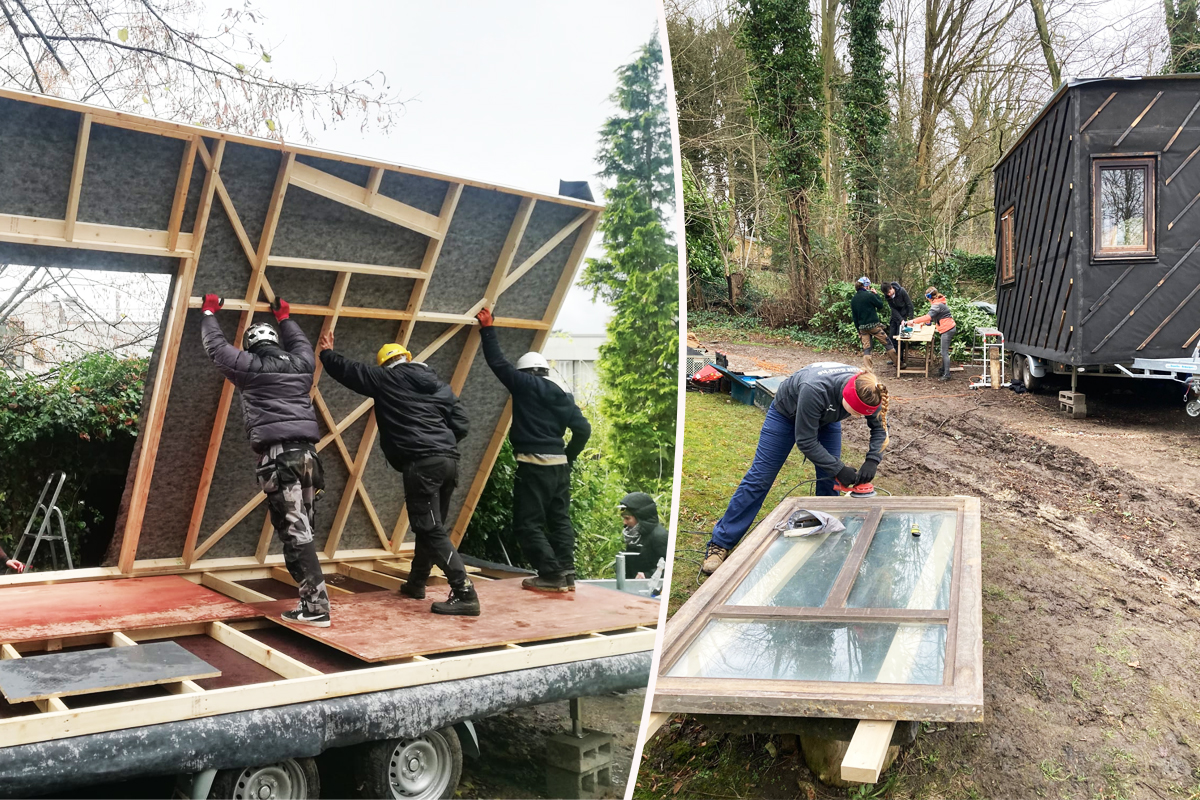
pixel 648 539
pixel 901 303
pixel 418 415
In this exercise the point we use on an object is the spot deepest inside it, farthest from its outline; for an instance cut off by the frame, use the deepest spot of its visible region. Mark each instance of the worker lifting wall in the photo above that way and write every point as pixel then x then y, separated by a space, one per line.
pixel 374 251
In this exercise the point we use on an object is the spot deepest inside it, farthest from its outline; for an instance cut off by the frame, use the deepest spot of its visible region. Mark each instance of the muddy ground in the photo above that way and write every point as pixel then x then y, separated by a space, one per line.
pixel 1091 580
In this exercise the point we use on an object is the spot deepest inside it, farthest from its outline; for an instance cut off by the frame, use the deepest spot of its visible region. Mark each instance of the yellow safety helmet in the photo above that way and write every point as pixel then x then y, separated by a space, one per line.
pixel 391 351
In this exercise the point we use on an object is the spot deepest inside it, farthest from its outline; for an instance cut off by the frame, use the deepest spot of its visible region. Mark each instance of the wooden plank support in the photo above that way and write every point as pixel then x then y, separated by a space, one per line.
pixel 239 229
pixel 1137 119
pixel 269 657
pixel 543 251
pixel 91 236
pixel 370 576
pixel 1169 317
pixel 233 590
pixel 1096 113
pixel 81 147
pixel 181 192
pixel 345 266
pixel 1182 125
pixel 863 762
pixel 1149 294
pixel 347 193
pixel 283 576
pixel 157 411
pixel 1179 169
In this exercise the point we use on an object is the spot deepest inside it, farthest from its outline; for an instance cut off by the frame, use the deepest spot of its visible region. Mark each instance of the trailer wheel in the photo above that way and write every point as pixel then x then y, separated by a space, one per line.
pixel 291 779
pixel 426 767
pixel 1193 408
pixel 1022 370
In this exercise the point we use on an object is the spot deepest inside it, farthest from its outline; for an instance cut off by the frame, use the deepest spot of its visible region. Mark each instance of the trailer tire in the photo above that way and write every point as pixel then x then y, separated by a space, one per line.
pixel 291 779
pixel 426 767
pixel 1022 370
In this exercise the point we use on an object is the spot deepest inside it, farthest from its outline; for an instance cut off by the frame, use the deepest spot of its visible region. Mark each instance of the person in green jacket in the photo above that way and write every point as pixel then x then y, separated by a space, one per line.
pixel 865 307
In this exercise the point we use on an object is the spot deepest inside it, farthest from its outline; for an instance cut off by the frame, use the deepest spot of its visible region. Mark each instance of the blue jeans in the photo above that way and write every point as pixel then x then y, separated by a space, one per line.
pixel 776 441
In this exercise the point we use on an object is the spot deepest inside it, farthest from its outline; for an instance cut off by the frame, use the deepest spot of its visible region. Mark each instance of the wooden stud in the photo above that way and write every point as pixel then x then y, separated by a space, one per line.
pixel 543 251
pixel 17 229
pixel 233 590
pixel 7 651
pixel 352 485
pixel 239 230
pixel 269 657
pixel 863 762
pixel 118 639
pixel 373 182
pixel 347 193
pixel 81 146
pixel 370 576
pixel 51 704
pixel 346 267
pixel 283 576
pixel 157 411
pixel 181 192
pixel 432 251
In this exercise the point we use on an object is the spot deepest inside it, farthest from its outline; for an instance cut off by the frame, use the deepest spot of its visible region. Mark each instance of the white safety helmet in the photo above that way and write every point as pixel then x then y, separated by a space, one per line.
pixel 258 333
pixel 532 360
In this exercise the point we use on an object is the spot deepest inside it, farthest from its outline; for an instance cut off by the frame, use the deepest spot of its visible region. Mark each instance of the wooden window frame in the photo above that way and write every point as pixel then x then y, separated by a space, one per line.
pixel 959 698
pixel 1149 163
pixel 1008 272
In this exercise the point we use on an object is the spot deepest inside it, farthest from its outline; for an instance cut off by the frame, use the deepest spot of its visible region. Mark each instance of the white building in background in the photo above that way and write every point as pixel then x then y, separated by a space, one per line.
pixel 573 358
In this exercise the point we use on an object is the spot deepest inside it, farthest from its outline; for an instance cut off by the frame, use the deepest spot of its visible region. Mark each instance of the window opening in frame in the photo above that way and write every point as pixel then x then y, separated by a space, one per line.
pixel 1123 208
pixel 1007 271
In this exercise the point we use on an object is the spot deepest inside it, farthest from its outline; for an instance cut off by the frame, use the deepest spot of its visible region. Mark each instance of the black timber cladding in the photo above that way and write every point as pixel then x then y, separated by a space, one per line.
pixel 1064 304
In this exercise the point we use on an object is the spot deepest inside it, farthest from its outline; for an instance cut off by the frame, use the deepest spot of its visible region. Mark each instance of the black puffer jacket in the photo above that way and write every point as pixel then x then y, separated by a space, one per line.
pixel 648 539
pixel 542 410
pixel 274 383
pixel 901 303
pixel 418 415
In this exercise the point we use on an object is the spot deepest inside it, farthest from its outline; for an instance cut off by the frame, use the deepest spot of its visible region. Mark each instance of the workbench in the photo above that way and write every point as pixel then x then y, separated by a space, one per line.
pixel 921 334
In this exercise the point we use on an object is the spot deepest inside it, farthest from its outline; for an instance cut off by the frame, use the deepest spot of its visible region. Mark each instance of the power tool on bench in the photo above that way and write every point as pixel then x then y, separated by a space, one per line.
pixel 858 491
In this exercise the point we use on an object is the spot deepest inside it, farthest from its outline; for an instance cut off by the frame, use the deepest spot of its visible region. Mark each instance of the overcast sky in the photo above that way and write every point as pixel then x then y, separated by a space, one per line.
pixel 512 92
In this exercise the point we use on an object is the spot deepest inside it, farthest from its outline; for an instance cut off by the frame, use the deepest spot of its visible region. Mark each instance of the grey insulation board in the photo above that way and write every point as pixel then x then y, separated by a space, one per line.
pixel 90 671
pixel 130 180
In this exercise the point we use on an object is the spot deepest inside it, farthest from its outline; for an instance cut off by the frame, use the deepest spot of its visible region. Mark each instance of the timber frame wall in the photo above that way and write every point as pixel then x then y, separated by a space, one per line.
pixel 1066 302
pixel 202 185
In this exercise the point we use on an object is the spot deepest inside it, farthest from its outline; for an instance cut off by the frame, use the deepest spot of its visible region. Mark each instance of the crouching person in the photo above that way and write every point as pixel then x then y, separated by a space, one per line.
pixel 645 537
pixel 420 424
pixel 274 372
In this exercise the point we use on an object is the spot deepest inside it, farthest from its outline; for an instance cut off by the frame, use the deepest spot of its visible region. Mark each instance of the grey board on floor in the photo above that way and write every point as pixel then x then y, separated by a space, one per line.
pixel 91 671
pixel 130 180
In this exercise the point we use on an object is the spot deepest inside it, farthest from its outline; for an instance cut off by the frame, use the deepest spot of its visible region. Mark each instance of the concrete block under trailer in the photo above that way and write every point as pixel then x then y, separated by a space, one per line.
pixel 405 739
pixel 1033 369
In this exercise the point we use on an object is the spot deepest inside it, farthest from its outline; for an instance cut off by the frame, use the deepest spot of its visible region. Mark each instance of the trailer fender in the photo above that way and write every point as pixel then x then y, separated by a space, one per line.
pixel 468 738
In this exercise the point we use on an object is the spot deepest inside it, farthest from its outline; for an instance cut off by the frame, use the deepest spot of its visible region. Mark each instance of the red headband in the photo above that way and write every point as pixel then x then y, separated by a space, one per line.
pixel 850 395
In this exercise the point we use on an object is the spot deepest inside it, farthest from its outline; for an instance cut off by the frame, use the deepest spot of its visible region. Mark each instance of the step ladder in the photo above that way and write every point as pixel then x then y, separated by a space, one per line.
pixel 47 510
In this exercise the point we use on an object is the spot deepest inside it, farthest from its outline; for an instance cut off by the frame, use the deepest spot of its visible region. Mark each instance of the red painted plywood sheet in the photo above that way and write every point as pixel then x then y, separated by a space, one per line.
pixel 60 610
pixel 386 625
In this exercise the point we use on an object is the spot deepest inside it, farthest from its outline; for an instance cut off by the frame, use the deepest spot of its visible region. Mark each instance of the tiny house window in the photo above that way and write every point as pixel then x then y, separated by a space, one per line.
pixel 1007 273
pixel 1123 208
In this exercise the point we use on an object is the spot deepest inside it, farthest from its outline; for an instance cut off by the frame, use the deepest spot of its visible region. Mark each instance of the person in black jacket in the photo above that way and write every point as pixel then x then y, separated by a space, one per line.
pixel 282 427
pixel 902 308
pixel 542 413
pixel 645 537
pixel 420 425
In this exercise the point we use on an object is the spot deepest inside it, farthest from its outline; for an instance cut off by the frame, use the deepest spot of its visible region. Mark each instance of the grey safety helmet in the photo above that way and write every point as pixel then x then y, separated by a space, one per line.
pixel 260 333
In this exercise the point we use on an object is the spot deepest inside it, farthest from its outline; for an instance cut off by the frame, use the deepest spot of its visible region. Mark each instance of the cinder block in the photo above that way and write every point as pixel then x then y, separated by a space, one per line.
pixel 1073 403
pixel 568 785
pixel 575 754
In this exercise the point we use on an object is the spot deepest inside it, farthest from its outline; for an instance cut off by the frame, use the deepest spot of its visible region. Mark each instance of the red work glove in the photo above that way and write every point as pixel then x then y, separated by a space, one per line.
pixel 15 565
pixel 485 318
pixel 211 304
pixel 281 309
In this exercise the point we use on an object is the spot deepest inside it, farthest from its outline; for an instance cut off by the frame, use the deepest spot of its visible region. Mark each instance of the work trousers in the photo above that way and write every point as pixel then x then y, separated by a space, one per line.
pixel 291 477
pixel 877 333
pixel 775 443
pixel 946 337
pixel 428 484
pixel 542 517
pixel 894 330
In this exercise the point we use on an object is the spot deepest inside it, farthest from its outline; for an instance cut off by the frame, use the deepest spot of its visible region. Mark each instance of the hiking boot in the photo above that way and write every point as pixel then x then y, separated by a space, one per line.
pixel 891 358
pixel 539 584
pixel 569 578
pixel 945 376
pixel 714 556
pixel 462 602
pixel 317 619
pixel 413 589
pixel 868 362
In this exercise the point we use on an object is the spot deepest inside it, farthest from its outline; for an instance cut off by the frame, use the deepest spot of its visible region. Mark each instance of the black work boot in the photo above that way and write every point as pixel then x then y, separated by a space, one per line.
pixel 569 579
pixel 413 588
pixel 557 583
pixel 462 602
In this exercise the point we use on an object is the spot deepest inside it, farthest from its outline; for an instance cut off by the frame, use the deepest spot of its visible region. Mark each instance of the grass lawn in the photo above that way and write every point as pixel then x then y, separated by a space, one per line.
pixel 720 437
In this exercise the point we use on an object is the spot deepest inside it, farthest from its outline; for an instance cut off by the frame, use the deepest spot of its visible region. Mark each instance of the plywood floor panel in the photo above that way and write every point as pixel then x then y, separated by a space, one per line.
pixel 382 626
pixel 62 610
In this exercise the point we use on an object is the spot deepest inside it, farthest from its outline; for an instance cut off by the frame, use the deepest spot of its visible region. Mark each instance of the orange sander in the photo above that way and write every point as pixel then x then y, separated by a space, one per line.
pixel 858 492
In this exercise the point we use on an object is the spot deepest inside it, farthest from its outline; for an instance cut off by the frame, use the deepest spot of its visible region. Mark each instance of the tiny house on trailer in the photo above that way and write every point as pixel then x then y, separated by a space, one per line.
pixel 177 657
pixel 1098 228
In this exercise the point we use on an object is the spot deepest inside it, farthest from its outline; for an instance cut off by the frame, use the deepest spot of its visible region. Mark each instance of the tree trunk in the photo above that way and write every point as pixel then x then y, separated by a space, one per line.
pixel 927 114
pixel 1039 16
pixel 801 278
pixel 829 10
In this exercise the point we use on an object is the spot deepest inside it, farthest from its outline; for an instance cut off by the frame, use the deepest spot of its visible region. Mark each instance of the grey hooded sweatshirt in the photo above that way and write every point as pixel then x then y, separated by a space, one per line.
pixel 812 398
pixel 274 383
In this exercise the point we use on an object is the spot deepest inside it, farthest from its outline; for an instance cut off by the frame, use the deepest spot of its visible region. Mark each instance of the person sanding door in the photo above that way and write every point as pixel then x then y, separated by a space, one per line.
pixel 807 413
pixel 421 423
pixel 542 414
pixel 274 372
